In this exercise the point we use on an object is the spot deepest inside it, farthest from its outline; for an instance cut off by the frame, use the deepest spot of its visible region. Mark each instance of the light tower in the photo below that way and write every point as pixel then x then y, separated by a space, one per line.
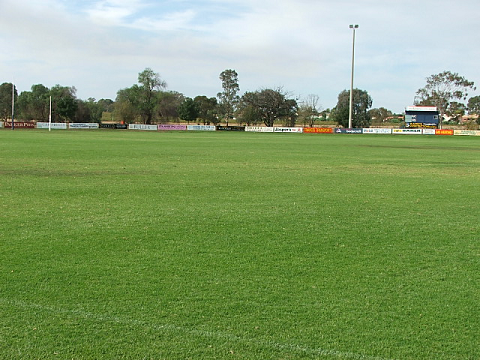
pixel 350 113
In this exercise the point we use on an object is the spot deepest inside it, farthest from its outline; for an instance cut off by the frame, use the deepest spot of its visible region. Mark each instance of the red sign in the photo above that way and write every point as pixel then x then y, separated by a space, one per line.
pixel 443 132
pixel 318 130
pixel 20 124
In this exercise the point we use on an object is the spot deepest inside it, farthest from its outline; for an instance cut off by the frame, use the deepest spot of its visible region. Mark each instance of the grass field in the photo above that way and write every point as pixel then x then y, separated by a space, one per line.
pixel 140 245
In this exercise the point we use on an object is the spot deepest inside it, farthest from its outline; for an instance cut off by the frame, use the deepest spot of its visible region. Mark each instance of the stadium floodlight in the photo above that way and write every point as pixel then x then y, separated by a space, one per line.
pixel 350 113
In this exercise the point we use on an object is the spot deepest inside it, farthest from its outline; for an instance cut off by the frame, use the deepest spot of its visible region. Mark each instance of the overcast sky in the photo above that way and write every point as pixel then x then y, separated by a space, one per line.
pixel 304 46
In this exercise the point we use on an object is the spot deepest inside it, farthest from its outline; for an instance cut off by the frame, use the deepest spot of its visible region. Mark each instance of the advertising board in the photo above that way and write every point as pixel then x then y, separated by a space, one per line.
pixel 259 128
pixel 171 127
pixel 441 131
pixel 288 129
pixel 230 128
pixel 316 130
pixel 376 131
pixel 113 126
pixel 467 132
pixel 20 124
pixel 1 124
pixel 53 126
pixel 428 131
pixel 88 126
pixel 407 131
pixel 201 127
pixel 142 127
pixel 348 131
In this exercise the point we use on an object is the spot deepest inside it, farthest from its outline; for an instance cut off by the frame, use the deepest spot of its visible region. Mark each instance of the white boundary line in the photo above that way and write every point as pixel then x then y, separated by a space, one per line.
pixel 196 332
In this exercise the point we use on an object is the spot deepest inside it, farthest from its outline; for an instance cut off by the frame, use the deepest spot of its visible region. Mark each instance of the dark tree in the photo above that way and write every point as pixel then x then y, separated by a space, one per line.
pixel 271 106
pixel 362 102
pixel 64 103
pixel 168 104
pixel 207 109
pixel 188 110
pixel 34 104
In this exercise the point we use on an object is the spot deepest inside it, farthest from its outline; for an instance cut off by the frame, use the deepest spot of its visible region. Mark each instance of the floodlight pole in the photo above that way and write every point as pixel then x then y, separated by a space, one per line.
pixel 350 113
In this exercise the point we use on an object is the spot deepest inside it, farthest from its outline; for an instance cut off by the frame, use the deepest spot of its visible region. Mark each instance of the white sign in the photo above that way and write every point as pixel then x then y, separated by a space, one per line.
pixel 407 131
pixel 201 127
pixel 428 131
pixel 258 129
pixel 2 124
pixel 288 129
pixel 467 132
pixel 83 126
pixel 142 127
pixel 420 108
pixel 44 125
pixel 377 131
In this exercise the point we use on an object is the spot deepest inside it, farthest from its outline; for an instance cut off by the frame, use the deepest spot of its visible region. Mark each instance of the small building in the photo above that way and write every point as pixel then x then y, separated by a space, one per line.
pixel 421 117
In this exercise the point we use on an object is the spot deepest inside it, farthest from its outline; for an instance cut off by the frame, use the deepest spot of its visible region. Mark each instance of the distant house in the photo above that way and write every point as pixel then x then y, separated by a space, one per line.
pixel 421 117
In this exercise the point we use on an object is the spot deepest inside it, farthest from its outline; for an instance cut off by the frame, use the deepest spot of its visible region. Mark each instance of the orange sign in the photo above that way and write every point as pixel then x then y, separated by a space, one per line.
pixel 318 130
pixel 443 132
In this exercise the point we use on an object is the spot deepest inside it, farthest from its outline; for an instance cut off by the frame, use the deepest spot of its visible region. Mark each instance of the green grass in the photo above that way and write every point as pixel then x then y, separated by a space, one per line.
pixel 180 245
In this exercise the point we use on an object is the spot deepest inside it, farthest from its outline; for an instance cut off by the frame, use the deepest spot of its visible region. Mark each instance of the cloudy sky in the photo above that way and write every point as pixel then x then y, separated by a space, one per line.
pixel 304 46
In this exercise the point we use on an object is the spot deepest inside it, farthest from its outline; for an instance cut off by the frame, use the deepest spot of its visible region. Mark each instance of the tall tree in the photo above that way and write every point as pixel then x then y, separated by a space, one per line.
pixel 64 103
pixel 188 110
pixel 127 104
pixel 362 102
pixel 228 98
pixel 271 105
pixel 441 89
pixel 168 104
pixel 207 108
pixel 6 100
pixel 83 114
pixel 150 83
pixel 34 104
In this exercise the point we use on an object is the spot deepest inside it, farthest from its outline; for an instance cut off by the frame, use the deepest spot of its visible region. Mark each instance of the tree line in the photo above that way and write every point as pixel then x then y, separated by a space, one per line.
pixel 149 102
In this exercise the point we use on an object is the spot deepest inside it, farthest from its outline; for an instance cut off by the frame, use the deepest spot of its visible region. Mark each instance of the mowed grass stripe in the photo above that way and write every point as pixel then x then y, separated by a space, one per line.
pixel 193 332
pixel 362 244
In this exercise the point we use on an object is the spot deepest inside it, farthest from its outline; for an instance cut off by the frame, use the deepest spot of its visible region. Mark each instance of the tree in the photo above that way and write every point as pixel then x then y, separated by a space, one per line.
pixel 379 115
pixel 83 113
pixel 6 100
pixel 34 104
pixel 64 103
pixel 188 110
pixel 150 84
pixel 127 104
pixel 248 114
pixel 441 89
pixel 455 111
pixel 308 110
pixel 168 104
pixel 362 102
pixel 228 99
pixel 474 106
pixel 271 105
pixel 207 109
